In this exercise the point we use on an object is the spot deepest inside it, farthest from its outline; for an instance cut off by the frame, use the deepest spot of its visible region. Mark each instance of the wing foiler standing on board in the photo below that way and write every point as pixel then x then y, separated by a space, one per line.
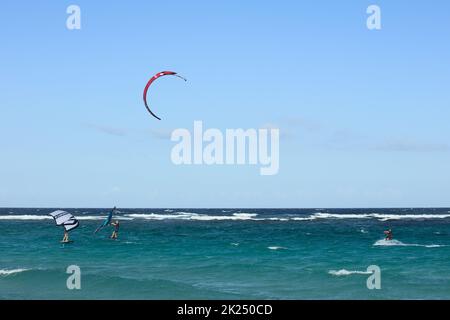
pixel 67 221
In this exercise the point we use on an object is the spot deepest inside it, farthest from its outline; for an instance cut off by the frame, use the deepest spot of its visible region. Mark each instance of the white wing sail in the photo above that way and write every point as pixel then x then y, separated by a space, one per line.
pixel 71 224
pixel 65 219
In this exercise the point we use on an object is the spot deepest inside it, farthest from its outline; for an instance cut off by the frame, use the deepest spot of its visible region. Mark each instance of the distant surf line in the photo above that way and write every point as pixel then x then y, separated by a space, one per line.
pixel 240 216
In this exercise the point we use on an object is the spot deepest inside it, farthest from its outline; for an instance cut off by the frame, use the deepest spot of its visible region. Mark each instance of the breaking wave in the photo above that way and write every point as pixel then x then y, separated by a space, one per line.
pixel 379 216
pixel 5 273
pixel 45 217
pixel 194 216
pixel 276 248
pixel 393 243
pixel 168 214
pixel 344 272
pixel 25 217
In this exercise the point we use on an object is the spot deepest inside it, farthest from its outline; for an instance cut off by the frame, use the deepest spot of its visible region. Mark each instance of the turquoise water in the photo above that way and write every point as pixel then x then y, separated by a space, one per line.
pixel 228 254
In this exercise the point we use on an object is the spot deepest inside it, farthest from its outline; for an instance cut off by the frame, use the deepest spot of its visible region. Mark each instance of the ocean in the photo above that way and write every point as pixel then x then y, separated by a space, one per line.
pixel 228 254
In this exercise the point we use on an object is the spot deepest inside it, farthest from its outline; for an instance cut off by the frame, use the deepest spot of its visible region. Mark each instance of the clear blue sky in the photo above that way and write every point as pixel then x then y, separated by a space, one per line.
pixel 364 115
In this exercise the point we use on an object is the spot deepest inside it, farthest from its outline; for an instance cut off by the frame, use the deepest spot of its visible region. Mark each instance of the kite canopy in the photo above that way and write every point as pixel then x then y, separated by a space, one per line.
pixel 156 76
pixel 65 219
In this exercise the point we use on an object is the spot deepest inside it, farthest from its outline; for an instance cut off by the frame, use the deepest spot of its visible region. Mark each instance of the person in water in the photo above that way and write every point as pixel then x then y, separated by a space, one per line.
pixel 116 226
pixel 66 237
pixel 389 235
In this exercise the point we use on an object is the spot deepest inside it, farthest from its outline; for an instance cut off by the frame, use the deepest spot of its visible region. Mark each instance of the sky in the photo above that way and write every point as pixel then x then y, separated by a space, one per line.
pixel 363 114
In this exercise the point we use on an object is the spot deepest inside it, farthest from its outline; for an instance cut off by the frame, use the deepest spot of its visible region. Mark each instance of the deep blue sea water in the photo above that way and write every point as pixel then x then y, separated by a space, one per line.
pixel 228 254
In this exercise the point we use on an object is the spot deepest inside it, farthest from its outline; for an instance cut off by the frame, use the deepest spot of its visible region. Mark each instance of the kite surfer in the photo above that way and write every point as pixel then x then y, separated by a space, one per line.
pixel 389 235
pixel 115 233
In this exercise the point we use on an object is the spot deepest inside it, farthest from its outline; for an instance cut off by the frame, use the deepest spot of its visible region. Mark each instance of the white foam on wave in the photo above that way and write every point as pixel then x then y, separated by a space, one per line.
pixel 323 215
pixel 124 218
pixel 234 217
pixel 25 217
pixel 276 248
pixel 194 216
pixel 91 217
pixel 4 272
pixel 245 215
pixel 274 219
pixel 155 216
pixel 390 243
pixel 310 218
pixel 386 217
pixel 45 217
pixel 379 216
pixel 344 272
pixel 168 214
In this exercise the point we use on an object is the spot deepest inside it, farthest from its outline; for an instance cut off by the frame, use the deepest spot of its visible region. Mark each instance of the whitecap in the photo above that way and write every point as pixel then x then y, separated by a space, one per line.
pixel 46 217
pixel 321 215
pixel 344 272
pixel 390 243
pixel 25 217
pixel 154 216
pixel 4 272
pixel 194 216
pixel 310 218
pixel 245 215
pixel 274 219
pixel 380 217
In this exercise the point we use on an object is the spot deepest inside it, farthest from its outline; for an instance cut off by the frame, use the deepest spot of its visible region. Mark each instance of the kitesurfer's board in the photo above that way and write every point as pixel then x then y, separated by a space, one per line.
pixel 66 242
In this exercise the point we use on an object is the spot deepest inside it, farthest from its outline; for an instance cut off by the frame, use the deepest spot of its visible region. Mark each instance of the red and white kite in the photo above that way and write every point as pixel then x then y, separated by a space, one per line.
pixel 156 76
